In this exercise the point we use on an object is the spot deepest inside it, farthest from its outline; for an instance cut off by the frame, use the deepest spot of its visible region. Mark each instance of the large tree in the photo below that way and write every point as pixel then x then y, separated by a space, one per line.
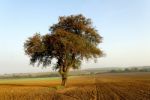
pixel 70 41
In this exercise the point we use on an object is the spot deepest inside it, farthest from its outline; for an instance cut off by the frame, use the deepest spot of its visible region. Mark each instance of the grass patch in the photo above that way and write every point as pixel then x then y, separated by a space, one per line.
pixel 58 87
pixel 26 80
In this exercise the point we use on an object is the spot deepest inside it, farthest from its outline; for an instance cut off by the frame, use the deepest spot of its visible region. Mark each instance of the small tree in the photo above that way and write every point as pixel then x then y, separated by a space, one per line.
pixel 70 40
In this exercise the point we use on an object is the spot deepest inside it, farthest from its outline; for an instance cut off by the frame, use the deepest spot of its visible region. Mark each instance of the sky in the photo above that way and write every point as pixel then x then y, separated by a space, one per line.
pixel 123 24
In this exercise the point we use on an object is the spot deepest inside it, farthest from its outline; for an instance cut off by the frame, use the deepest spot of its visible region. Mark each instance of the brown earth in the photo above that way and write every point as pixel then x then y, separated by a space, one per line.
pixel 107 86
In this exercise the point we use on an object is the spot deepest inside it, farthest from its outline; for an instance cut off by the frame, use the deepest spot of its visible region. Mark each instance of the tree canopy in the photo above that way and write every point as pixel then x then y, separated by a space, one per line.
pixel 70 41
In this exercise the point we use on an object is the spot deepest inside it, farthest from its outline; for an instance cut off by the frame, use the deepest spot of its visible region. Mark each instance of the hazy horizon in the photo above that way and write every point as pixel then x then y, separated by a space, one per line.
pixel 124 26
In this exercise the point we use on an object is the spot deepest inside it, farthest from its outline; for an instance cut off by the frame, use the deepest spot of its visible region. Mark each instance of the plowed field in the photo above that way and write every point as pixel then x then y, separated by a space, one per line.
pixel 108 86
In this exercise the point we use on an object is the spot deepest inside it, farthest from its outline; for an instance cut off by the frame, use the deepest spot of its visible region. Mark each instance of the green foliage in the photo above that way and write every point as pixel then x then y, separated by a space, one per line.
pixel 70 40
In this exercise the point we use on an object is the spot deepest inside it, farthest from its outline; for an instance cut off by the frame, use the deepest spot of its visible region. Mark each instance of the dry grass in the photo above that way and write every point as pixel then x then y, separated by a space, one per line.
pixel 125 86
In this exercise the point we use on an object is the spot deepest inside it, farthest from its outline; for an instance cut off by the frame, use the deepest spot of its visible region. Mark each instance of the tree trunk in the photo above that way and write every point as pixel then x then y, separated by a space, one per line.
pixel 64 74
pixel 64 79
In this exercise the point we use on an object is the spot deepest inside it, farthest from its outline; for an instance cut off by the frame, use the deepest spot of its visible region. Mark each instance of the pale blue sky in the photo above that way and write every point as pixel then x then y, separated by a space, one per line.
pixel 124 24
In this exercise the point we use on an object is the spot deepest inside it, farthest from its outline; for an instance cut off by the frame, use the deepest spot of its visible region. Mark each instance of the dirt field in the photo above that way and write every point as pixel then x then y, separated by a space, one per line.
pixel 108 86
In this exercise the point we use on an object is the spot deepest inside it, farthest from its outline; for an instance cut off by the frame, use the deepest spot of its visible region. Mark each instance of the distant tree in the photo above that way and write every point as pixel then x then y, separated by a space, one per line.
pixel 70 41
pixel 127 70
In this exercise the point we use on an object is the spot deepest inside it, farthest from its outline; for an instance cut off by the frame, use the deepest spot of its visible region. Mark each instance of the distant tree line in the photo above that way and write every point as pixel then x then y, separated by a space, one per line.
pixel 29 75
pixel 134 69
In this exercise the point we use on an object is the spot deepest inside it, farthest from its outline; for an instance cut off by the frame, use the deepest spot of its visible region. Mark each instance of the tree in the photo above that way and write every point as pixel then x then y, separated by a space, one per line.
pixel 70 41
